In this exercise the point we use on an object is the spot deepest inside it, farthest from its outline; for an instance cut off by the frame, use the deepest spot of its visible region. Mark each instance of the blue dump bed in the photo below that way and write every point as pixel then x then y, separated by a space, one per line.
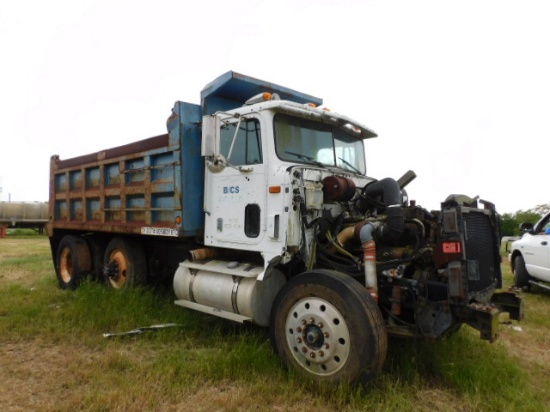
pixel 134 188
pixel 152 186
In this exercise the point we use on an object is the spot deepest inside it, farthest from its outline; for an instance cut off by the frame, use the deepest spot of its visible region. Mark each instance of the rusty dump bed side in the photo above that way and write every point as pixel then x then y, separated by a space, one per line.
pixel 149 187
pixel 130 189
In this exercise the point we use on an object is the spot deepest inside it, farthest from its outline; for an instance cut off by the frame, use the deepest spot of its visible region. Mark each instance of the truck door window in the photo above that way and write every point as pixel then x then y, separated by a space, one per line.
pixel 247 147
pixel 545 227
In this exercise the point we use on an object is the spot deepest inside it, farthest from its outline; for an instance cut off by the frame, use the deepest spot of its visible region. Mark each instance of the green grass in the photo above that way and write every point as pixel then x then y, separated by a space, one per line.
pixel 23 232
pixel 208 363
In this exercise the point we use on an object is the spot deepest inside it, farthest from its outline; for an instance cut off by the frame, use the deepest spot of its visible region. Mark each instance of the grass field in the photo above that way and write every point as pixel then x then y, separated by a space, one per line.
pixel 53 355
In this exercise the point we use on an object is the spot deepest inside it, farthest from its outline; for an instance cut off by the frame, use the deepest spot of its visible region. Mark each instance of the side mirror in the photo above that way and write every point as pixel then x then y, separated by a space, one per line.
pixel 210 145
pixel 526 227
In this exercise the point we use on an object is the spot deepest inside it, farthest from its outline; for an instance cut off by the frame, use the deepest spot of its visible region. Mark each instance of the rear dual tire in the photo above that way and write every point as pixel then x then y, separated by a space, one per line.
pixel 123 258
pixel 73 261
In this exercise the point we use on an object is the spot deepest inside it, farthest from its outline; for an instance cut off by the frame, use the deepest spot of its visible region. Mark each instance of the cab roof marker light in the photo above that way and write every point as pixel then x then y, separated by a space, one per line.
pixel 262 97
pixel 353 129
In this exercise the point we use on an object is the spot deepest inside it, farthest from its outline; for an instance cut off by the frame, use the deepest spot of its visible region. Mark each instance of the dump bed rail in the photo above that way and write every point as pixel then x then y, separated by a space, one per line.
pixel 127 189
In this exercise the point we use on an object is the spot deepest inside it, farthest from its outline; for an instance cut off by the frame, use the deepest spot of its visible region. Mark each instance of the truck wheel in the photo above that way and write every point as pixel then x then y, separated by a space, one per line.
pixel 124 265
pixel 328 327
pixel 73 262
pixel 521 276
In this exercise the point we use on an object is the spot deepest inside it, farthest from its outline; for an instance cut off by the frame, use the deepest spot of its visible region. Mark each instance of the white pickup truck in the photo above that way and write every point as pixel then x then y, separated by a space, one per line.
pixel 530 255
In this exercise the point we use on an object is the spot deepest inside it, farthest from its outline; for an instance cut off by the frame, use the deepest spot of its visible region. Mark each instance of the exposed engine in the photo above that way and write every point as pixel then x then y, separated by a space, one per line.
pixel 430 271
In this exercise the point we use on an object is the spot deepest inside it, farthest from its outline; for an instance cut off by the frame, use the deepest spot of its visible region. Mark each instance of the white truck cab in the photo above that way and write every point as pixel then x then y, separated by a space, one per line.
pixel 263 158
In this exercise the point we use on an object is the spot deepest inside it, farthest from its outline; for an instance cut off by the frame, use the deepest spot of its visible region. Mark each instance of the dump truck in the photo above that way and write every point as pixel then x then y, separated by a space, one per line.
pixel 257 205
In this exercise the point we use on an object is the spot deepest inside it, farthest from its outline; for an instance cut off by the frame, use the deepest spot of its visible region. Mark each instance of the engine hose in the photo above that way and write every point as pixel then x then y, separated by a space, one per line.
pixel 351 270
pixel 387 190
pixel 312 254
pixel 343 259
pixel 419 224
pixel 422 235
pixel 303 213
pixel 373 202
pixel 369 258
pixel 338 225
pixel 394 262
pixel 336 245
pixel 397 319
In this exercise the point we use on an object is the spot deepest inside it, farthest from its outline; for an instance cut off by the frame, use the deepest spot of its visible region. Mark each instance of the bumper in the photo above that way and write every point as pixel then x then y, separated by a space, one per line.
pixel 485 316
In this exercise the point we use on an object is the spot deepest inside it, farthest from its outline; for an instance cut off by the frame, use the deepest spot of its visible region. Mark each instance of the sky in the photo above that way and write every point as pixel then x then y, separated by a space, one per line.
pixel 458 91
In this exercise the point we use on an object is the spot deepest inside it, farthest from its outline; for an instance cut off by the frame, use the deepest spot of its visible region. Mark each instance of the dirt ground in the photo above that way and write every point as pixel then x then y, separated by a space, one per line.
pixel 39 376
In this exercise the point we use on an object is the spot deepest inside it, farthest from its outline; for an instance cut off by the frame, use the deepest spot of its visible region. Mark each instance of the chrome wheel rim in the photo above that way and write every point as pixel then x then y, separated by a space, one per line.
pixel 318 336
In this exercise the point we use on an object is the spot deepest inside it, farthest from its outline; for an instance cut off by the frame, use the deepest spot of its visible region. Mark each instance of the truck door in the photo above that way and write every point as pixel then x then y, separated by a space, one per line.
pixel 235 195
pixel 537 253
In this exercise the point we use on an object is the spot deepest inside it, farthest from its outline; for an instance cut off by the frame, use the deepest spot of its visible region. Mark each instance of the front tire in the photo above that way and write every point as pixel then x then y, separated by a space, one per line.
pixel 73 262
pixel 328 327
pixel 125 265
pixel 521 276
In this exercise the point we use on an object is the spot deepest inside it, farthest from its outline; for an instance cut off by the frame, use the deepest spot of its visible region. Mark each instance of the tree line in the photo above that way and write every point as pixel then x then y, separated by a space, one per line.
pixel 510 221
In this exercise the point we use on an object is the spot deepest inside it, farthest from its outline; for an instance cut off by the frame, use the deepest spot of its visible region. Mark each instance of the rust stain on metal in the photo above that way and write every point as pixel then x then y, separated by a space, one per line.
pixel 128 149
pixel 117 190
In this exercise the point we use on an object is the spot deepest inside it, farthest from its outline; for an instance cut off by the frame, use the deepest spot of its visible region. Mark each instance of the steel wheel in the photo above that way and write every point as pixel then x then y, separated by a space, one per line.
pixel 120 265
pixel 318 335
pixel 66 271
pixel 327 326
pixel 124 263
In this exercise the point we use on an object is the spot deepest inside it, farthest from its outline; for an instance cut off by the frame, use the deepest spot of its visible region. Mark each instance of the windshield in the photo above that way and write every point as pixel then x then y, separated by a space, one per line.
pixel 306 141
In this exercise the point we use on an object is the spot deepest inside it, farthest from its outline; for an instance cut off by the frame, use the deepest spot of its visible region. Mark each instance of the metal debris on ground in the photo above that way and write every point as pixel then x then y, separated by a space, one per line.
pixel 139 331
